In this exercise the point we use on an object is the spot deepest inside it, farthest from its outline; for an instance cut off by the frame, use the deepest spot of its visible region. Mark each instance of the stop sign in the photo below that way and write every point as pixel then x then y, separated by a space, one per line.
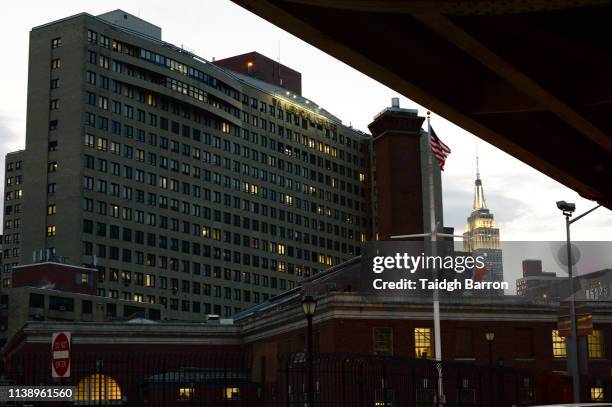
pixel 60 354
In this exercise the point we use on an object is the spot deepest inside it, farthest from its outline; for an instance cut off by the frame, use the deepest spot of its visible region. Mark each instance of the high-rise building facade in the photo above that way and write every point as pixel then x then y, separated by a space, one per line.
pixel 203 187
pixel 481 237
pixel 184 183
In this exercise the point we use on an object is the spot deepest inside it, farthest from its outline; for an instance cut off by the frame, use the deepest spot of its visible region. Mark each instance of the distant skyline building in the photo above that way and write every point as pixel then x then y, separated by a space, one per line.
pixel 481 237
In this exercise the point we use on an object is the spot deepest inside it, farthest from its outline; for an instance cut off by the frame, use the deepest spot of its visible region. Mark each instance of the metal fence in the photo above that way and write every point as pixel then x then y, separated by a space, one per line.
pixel 185 379
pixel 217 378
pixel 358 380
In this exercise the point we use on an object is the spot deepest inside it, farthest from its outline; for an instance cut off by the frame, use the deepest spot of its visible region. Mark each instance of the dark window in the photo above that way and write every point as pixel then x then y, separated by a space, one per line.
pixel 111 310
pixel 37 301
pixel 87 307
pixel 523 339
pixel 464 347
pixel 61 304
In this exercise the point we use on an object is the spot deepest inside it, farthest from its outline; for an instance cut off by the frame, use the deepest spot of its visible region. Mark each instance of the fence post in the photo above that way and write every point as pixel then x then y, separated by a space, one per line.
pixel 343 379
pixel 361 400
pixel 384 385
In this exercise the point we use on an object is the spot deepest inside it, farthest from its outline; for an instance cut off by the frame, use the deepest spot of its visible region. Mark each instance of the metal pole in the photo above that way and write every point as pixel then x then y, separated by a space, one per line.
pixel 434 231
pixel 310 364
pixel 573 345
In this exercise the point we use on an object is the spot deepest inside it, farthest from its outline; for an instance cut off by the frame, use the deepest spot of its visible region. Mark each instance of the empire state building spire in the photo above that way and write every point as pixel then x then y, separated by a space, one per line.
pixel 481 237
pixel 479 199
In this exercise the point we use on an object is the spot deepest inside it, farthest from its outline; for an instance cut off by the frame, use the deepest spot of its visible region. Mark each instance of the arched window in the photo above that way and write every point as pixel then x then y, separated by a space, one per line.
pixel 98 389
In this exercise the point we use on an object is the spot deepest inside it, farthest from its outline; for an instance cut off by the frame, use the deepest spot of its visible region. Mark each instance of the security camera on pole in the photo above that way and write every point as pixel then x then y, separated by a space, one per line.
pixel 572 352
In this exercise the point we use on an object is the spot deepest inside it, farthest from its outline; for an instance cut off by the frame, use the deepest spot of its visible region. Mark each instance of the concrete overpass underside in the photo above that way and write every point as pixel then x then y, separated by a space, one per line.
pixel 533 78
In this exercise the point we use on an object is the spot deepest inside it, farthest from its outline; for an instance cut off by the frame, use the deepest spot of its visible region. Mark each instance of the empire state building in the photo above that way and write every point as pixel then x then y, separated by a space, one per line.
pixel 481 237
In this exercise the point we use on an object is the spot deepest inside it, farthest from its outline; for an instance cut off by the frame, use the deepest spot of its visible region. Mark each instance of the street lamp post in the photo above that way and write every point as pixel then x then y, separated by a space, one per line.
pixel 568 209
pixel 490 337
pixel 309 306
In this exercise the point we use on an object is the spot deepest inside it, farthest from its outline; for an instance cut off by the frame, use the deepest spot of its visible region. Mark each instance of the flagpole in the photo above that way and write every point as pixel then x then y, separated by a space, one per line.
pixel 434 231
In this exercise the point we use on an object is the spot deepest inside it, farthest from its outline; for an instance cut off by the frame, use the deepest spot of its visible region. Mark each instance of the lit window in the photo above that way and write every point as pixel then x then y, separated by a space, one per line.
pixel 597 393
pixel 98 387
pixel 558 345
pixel 51 209
pixel 186 393
pixel 383 341
pixel 423 342
pixel 54 104
pixel 596 344
pixel 51 231
pixel 56 63
pixel 56 42
pixel 231 393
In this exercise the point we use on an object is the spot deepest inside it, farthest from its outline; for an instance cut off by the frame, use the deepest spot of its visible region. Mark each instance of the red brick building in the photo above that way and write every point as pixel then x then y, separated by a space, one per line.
pixel 245 359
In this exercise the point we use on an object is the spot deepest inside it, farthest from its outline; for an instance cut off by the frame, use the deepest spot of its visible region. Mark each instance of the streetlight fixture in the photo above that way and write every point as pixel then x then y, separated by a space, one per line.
pixel 309 306
pixel 568 210
pixel 490 337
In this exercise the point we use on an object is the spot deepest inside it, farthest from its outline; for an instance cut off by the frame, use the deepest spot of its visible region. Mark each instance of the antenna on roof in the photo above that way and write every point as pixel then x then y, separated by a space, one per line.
pixel 280 79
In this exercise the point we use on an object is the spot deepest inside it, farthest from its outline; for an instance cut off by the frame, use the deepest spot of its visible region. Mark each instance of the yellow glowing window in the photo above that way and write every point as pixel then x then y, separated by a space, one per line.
pixel 558 345
pixel 596 344
pixel 281 249
pixel 205 231
pixel 186 393
pixel 597 393
pixel 231 393
pixel 282 267
pixel 216 234
pixel 98 387
pixel 51 231
pixel 225 127
pixel 51 209
pixel 423 342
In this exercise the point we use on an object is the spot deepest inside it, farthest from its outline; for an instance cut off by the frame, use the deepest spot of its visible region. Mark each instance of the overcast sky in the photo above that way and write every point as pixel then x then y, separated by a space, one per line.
pixel 522 199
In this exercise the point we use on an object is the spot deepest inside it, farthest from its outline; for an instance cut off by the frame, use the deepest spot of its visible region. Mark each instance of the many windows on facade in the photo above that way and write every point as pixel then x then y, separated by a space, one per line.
pixel 423 342
pixel 559 345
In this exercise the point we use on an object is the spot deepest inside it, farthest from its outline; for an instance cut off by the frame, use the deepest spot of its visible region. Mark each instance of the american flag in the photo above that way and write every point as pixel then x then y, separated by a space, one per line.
pixel 438 148
pixel 477 273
